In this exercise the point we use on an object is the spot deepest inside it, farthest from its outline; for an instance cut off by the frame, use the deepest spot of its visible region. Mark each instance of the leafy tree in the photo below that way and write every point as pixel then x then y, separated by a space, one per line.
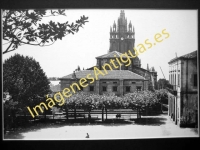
pixel 164 84
pixel 143 100
pixel 162 95
pixel 25 81
pixel 23 26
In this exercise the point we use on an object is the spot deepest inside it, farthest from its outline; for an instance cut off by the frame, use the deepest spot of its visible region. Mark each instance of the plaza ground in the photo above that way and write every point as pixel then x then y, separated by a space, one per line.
pixel 159 126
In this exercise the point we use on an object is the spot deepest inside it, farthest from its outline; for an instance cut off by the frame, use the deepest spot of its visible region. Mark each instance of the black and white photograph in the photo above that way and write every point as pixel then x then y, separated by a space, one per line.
pixel 93 74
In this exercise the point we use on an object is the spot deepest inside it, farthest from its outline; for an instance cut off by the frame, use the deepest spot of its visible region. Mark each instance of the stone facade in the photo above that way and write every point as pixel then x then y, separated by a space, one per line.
pixel 119 82
pixel 183 76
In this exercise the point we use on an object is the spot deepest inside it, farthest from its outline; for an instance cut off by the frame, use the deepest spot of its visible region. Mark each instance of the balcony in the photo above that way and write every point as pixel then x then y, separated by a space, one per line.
pixel 172 89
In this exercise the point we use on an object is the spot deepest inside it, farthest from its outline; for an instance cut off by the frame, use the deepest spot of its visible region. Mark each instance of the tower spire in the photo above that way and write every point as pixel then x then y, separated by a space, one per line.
pixel 130 26
pixel 121 39
pixel 148 67
pixel 122 14
pixel 114 26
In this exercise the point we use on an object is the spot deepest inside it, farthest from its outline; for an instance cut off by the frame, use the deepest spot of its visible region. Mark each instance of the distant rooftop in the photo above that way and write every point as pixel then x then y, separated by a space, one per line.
pixel 112 54
pixel 114 74
pixel 55 88
pixel 186 56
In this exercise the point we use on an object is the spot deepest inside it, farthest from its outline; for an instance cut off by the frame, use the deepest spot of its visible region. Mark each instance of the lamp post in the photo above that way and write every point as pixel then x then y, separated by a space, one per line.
pixel 74 77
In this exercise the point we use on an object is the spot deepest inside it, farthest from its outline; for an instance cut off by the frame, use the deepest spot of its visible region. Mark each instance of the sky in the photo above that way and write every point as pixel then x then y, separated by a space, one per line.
pixel 64 56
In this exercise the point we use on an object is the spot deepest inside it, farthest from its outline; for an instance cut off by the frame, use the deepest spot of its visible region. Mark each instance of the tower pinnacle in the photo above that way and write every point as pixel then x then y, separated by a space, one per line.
pixel 122 37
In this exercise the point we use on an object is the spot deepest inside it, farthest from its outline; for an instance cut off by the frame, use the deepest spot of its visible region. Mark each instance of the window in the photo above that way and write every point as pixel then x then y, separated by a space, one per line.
pixel 128 88
pixel 175 80
pixel 114 82
pixel 139 88
pixel 103 82
pixel 170 79
pixel 195 79
pixel 114 88
pixel 91 88
pixel 178 79
pixel 104 88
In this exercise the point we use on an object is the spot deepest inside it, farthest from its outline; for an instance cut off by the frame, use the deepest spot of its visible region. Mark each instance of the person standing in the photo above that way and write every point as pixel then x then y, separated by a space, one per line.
pixel 87 136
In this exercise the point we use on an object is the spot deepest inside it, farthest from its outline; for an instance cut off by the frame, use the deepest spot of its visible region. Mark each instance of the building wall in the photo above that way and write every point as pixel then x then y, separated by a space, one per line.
pixel 147 75
pixel 188 92
pixel 189 109
pixel 109 84
pixel 184 104
pixel 171 103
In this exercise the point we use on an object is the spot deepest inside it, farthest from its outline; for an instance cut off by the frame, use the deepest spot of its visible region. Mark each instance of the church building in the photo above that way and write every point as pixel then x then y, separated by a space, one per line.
pixel 125 78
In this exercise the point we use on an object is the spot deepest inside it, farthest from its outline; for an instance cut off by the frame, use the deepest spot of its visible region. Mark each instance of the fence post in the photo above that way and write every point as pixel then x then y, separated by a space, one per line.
pixel 139 113
pixel 75 112
pixel 106 113
pixel 67 114
pixel 102 114
pixel 66 110
pixel 89 116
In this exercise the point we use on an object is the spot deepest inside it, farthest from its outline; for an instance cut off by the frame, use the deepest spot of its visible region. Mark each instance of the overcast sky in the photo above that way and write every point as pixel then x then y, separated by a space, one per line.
pixel 63 57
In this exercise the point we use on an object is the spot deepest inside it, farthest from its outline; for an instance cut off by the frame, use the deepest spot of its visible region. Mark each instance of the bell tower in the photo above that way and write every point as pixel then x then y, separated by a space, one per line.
pixel 122 35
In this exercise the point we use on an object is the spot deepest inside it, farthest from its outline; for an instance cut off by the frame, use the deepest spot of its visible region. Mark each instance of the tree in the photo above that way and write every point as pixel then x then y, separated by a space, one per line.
pixel 24 27
pixel 143 100
pixel 164 84
pixel 25 80
pixel 162 95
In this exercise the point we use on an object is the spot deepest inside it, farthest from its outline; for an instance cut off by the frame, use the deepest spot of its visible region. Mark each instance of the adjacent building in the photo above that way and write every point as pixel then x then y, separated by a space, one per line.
pixel 183 102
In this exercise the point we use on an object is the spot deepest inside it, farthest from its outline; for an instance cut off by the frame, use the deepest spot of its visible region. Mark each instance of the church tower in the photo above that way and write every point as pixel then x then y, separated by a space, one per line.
pixel 122 35
pixel 122 38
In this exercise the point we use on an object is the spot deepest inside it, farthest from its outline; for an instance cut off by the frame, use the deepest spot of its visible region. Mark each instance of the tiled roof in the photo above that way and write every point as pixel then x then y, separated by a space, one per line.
pixel 186 56
pixel 111 55
pixel 190 55
pixel 112 74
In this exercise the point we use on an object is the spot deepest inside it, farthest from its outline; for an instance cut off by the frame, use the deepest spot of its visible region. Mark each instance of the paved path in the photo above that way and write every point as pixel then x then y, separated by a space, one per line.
pixel 151 127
